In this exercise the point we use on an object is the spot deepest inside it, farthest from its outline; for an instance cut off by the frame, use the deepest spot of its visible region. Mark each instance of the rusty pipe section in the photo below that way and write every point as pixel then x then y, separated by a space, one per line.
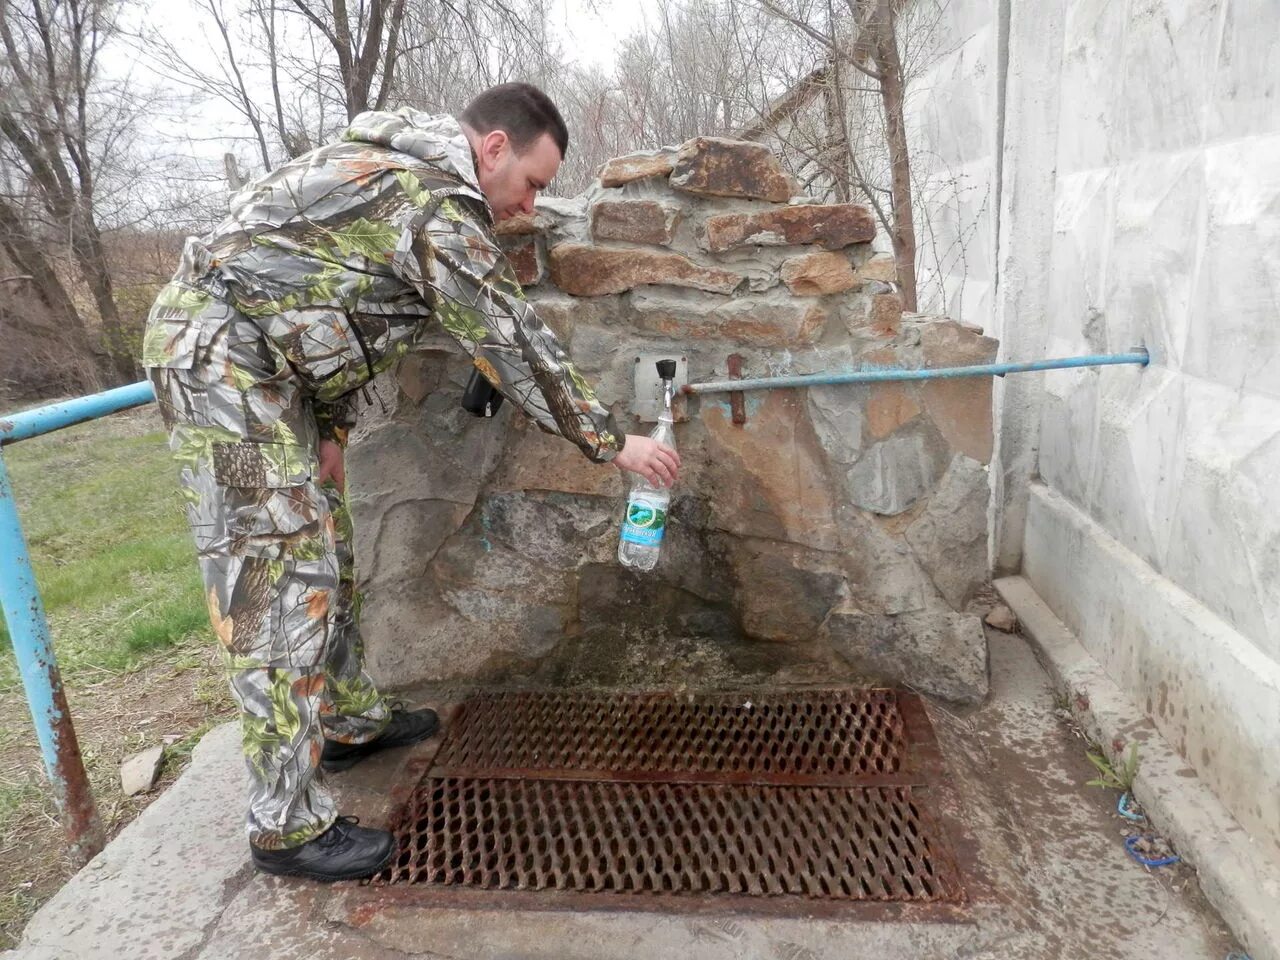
pixel 29 631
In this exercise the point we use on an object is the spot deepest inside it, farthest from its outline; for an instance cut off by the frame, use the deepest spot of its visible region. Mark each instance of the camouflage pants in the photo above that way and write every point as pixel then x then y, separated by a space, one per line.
pixel 275 554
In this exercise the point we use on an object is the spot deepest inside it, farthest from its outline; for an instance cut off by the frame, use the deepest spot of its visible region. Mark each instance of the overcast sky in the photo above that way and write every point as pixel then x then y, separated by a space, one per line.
pixel 589 30
pixel 591 34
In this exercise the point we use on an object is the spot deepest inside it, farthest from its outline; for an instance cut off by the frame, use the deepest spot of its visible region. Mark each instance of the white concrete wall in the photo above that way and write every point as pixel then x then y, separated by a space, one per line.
pixel 1140 204
pixel 951 103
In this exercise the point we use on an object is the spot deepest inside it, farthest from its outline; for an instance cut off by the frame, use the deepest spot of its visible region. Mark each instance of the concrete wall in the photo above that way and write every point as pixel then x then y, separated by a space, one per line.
pixel 1140 204
pixel 952 102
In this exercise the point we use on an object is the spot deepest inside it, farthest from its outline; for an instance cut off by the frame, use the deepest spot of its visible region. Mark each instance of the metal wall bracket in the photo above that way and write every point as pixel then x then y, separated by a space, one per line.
pixel 737 400
pixel 646 400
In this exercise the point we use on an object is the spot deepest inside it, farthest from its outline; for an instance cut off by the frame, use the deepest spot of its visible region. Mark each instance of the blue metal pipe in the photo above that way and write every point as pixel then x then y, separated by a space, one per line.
pixel 29 627
pixel 32 423
pixel 29 630
pixel 1137 355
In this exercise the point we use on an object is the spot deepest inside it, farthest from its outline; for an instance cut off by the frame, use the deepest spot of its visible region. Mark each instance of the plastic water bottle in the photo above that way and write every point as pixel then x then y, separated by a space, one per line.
pixel 646 517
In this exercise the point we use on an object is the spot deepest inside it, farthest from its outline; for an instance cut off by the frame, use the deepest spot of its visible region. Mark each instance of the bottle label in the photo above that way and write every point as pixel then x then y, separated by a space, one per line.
pixel 645 523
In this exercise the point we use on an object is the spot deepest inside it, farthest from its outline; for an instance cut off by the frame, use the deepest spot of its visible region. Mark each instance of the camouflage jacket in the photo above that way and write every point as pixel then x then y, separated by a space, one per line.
pixel 342 256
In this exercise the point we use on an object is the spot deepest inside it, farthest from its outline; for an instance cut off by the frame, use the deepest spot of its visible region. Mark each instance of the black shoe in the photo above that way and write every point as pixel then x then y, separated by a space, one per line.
pixel 343 852
pixel 406 727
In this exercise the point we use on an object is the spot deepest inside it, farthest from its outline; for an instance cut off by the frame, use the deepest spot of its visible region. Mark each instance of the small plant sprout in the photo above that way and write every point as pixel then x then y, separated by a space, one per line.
pixel 1109 776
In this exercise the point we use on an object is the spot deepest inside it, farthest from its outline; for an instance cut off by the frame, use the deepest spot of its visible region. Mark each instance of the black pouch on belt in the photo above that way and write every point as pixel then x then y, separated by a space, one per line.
pixel 480 398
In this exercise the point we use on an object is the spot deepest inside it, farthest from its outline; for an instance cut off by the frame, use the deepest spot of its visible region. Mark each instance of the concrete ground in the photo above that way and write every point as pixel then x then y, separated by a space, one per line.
pixel 1052 877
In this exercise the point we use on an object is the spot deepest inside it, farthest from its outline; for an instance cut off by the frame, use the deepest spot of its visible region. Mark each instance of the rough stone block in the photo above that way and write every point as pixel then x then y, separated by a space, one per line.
pixel 522 225
pixel 1002 618
pixel 838 416
pixel 538 461
pixel 961 408
pixel 942 654
pixel 833 226
pixel 404 537
pixel 885 316
pixel 718 167
pixel 746 321
pixel 879 268
pixel 769 476
pixel 636 166
pixel 815 274
pixel 950 537
pixel 557 530
pixel 420 373
pixel 889 406
pixel 139 772
pixel 526 260
pixel 785 592
pixel 587 271
pixel 564 314
pixel 634 221
pixel 962 411
pixel 947 343
pixel 892 474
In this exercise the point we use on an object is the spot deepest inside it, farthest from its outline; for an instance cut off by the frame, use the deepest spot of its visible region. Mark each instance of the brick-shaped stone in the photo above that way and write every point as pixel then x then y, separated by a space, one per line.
pixel 948 343
pixel 718 167
pixel 526 259
pixel 889 406
pixel 833 226
pixel 634 221
pixel 565 314
pixel 522 224
pixel 885 318
pixel 815 274
pixel 588 271
pixel 941 653
pixel 636 166
pixel 960 408
pixel 535 460
pixel 745 321
pixel 882 268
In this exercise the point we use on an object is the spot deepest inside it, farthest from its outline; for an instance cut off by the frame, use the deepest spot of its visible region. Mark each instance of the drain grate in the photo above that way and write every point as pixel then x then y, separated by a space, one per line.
pixel 829 736
pixel 622 799
pixel 673 838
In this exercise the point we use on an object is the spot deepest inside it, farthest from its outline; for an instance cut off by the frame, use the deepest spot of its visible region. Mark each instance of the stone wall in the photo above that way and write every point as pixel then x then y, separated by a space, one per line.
pixel 840 532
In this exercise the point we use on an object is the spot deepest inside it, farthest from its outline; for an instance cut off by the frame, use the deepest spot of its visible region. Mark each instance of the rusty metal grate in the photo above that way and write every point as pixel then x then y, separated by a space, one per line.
pixel 673 838
pixel 829 736
pixel 631 798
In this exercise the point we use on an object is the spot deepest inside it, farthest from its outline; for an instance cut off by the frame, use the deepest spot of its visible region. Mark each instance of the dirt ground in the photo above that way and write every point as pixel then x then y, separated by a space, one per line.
pixel 175 697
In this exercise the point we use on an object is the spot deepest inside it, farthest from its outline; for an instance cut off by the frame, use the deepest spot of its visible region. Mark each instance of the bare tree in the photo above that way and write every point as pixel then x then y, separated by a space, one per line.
pixel 60 127
pixel 859 48
pixel 877 56
pixel 35 307
pixel 225 81
pixel 367 45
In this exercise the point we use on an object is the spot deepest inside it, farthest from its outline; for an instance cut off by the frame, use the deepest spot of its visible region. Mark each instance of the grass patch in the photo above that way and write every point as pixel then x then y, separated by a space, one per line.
pixel 15 797
pixel 112 553
pixel 117 572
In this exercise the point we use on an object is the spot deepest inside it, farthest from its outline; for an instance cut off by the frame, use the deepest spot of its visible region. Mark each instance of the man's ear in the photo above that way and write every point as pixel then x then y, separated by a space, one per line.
pixel 493 145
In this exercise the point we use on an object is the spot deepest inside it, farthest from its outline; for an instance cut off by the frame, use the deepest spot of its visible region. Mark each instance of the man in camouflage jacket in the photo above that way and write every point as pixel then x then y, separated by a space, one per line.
pixel 326 272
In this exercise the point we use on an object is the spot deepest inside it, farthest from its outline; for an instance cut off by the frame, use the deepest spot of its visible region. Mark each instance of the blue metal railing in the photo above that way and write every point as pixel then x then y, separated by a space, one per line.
pixel 29 627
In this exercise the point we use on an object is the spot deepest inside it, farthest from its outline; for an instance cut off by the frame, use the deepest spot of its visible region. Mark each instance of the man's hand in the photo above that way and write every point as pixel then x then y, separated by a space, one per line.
pixel 654 461
pixel 331 465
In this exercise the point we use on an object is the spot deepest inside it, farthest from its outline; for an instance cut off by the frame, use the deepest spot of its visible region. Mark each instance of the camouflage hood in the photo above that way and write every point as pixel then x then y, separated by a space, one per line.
pixel 436 138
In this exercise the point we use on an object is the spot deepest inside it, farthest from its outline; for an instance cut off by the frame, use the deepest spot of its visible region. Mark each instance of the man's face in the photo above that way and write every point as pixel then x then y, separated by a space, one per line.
pixel 510 180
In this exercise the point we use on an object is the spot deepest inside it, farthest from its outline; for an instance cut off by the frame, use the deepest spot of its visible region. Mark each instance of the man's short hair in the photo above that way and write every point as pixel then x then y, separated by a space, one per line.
pixel 521 110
